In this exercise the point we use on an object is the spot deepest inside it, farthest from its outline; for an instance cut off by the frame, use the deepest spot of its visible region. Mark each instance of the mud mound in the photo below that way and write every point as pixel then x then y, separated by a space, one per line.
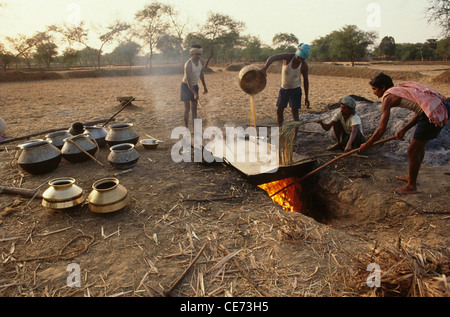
pixel 360 72
pixel 20 76
pixel 235 67
pixel 442 78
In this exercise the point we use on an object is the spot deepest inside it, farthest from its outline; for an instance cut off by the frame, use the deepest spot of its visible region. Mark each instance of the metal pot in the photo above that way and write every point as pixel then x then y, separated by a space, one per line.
pixel 99 133
pixel 123 156
pixel 74 154
pixel 108 196
pixel 38 157
pixel 121 133
pixel 57 138
pixel 62 194
pixel 251 80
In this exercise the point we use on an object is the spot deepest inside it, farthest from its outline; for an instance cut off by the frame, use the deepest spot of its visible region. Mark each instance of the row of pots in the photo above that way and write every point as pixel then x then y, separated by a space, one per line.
pixel 43 156
pixel 107 195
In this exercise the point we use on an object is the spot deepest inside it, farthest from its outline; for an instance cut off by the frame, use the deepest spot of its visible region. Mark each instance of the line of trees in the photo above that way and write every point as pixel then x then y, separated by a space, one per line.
pixel 158 32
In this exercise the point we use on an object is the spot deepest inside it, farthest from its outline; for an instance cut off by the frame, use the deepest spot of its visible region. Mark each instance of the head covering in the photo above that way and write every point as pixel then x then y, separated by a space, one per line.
pixel 195 50
pixel 349 102
pixel 303 51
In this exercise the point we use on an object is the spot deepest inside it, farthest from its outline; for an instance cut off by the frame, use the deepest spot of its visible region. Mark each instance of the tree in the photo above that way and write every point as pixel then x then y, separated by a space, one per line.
pixel 178 27
pixel 111 34
pixel 285 42
pixel 220 34
pixel 70 56
pixel 251 48
pixel 438 12
pixel 443 48
pixel 351 43
pixel 21 44
pixel 151 26
pixel 126 52
pixel 45 53
pixel 387 46
pixel 168 45
pixel 320 48
pixel 80 34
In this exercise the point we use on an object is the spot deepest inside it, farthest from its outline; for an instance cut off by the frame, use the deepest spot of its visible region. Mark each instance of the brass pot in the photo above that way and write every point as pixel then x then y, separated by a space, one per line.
pixel 123 156
pixel 121 133
pixel 38 157
pixel 73 153
pixel 62 194
pixel 57 138
pixel 108 196
pixel 251 80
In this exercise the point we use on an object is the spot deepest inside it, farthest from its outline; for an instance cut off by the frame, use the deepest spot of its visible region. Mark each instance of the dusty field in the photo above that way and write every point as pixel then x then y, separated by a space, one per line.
pixel 178 208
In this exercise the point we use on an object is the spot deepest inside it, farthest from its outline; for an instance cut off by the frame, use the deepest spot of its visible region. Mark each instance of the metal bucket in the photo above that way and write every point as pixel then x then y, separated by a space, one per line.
pixel 251 80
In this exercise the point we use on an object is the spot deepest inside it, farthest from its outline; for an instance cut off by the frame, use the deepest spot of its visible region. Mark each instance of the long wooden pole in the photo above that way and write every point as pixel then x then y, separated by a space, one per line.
pixel 331 162
pixel 48 131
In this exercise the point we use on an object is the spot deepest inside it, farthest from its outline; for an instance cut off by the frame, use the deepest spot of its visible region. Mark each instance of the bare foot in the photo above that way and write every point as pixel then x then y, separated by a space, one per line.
pixel 405 190
pixel 403 178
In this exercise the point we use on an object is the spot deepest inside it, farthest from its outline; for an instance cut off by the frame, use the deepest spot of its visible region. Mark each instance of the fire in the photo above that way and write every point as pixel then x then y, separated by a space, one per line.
pixel 289 198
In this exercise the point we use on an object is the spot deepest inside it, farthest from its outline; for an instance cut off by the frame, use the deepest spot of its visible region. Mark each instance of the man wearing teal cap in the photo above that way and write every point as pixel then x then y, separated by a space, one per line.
pixel 294 67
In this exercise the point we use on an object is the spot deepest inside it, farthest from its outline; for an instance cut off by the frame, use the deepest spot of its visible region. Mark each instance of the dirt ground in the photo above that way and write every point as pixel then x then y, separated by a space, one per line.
pixel 252 247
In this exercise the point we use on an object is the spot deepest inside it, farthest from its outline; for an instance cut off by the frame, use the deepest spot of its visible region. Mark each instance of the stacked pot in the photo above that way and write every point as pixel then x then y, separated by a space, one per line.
pixel 122 139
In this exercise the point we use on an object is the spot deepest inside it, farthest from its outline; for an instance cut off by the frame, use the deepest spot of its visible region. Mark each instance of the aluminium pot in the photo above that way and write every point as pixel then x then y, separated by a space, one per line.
pixel 99 134
pixel 121 133
pixel 72 153
pixel 57 138
pixel 38 157
pixel 123 156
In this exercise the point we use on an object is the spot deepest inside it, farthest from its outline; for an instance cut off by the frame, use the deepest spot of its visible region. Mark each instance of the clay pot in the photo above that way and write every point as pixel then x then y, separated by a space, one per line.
pixel 108 196
pixel 251 80
pixel 62 194
pixel 123 156
pixel 57 138
pixel 73 154
pixel 121 133
pixel 38 157
pixel 98 133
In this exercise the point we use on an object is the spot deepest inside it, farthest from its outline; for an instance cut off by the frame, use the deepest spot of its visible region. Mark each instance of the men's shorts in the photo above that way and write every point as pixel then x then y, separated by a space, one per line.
pixel 186 94
pixel 293 97
pixel 426 130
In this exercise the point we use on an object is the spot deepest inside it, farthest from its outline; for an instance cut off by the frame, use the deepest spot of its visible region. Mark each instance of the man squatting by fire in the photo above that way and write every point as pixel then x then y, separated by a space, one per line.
pixel 431 114
pixel 294 66
pixel 346 125
pixel 193 71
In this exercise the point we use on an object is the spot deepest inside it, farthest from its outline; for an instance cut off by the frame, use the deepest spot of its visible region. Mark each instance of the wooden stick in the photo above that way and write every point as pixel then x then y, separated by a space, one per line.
pixel 169 292
pixel 19 191
pixel 128 103
pixel 47 131
pixel 81 149
pixel 331 162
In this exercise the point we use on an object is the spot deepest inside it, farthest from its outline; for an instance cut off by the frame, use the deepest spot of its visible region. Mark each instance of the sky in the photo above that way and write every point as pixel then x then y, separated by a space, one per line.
pixel 402 19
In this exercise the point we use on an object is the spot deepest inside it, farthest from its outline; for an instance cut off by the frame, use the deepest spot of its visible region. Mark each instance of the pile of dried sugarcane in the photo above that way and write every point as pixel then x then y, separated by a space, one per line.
pixel 405 272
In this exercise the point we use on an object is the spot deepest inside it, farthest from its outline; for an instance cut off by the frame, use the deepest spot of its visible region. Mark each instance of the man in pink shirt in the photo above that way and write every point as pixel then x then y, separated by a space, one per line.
pixel 431 114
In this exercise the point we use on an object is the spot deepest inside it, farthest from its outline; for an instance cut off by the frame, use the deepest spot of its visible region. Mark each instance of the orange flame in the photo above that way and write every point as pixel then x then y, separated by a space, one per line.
pixel 289 198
